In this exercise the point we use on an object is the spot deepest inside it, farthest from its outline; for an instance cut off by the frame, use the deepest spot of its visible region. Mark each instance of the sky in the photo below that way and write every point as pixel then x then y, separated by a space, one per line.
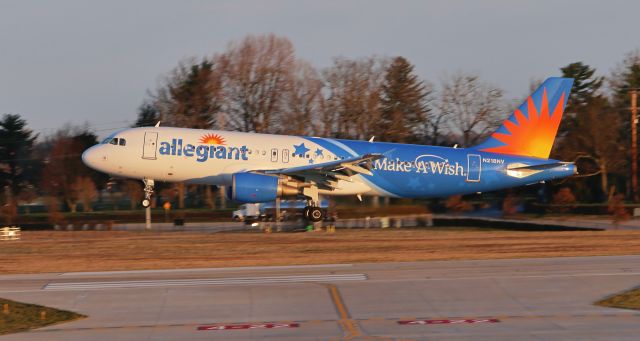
pixel 94 62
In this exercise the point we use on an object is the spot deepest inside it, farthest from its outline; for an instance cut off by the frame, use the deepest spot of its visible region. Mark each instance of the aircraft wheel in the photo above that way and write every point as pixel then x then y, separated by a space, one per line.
pixel 146 203
pixel 315 214
pixel 305 212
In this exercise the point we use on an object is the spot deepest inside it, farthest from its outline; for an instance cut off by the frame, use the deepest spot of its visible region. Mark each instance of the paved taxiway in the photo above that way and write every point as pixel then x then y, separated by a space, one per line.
pixel 523 299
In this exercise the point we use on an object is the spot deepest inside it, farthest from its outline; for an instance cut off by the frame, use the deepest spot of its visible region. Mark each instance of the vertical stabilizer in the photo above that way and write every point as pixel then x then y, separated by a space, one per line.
pixel 532 128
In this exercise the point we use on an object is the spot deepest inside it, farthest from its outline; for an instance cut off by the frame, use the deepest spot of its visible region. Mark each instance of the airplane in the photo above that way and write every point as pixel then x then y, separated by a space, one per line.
pixel 263 167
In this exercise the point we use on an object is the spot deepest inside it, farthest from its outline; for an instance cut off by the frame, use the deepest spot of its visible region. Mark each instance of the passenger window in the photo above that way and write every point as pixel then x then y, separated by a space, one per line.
pixel 123 142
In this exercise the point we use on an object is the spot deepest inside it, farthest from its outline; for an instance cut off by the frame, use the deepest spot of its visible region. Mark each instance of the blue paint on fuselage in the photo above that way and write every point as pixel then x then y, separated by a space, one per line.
pixel 416 171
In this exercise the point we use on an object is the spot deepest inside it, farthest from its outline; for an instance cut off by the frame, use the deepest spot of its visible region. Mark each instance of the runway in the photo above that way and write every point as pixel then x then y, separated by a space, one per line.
pixel 519 299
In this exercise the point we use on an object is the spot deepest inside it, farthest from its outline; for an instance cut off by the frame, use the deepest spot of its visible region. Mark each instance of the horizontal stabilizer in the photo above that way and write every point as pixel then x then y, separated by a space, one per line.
pixel 521 170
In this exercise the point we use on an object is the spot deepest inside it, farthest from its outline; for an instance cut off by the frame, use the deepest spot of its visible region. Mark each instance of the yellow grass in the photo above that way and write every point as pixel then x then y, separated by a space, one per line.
pixel 100 250
pixel 16 316
pixel 626 300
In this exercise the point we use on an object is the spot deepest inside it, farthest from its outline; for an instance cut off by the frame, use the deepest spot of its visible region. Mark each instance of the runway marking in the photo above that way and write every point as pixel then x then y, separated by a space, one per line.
pixel 531 276
pixel 249 326
pixel 239 268
pixel 204 281
pixel 301 323
pixel 346 322
pixel 448 321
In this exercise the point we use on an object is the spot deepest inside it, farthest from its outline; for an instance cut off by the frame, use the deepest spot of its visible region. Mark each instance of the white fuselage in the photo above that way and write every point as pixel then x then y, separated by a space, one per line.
pixel 206 156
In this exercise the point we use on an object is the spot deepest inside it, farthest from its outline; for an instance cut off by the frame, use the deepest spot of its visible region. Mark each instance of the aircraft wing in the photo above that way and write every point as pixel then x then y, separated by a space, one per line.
pixel 326 175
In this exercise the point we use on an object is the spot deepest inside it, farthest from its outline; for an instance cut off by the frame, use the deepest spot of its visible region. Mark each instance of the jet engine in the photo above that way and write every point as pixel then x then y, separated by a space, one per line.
pixel 252 187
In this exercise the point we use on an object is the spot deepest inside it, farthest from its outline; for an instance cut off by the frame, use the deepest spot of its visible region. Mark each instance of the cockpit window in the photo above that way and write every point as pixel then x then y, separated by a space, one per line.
pixel 116 141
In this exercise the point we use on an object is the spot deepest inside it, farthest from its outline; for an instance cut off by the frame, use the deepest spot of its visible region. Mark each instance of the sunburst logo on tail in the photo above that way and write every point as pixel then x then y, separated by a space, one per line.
pixel 532 128
pixel 212 139
pixel 533 134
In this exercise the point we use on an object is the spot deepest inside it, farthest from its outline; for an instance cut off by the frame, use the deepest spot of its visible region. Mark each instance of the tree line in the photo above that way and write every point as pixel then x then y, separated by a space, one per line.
pixel 258 84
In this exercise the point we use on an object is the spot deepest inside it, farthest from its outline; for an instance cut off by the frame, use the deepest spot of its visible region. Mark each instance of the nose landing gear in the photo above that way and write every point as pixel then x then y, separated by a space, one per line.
pixel 148 190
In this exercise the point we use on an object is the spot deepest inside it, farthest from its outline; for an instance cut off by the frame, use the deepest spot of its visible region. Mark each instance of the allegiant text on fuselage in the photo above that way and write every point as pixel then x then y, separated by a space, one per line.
pixel 203 152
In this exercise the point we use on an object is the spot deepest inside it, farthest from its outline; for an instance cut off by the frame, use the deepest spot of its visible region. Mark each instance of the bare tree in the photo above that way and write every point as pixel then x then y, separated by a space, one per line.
pixel 352 107
pixel 27 195
pixel 84 191
pixel 593 140
pixel 302 102
pixel 59 175
pixel 134 192
pixel 472 108
pixel 256 73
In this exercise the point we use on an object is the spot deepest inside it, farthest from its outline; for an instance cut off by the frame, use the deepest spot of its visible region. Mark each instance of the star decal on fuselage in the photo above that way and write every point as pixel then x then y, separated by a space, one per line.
pixel 414 183
pixel 319 152
pixel 300 149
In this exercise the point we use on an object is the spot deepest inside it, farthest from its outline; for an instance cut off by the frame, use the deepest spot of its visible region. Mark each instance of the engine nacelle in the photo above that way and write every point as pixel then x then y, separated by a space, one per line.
pixel 251 187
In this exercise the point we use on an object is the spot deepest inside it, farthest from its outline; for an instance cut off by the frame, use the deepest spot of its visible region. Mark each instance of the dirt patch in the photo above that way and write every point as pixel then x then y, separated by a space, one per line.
pixel 51 251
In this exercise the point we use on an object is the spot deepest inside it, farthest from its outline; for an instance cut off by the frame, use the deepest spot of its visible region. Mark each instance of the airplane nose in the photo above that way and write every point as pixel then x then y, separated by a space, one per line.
pixel 90 158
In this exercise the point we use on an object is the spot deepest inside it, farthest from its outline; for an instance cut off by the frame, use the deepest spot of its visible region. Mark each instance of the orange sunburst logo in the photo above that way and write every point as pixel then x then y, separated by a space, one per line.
pixel 212 139
pixel 533 134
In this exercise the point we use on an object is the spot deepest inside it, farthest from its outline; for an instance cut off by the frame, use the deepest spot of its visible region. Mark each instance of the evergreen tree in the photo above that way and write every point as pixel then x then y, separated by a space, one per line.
pixel 585 85
pixel 194 96
pixel 147 115
pixel 403 103
pixel 16 143
pixel 625 77
pixel 584 90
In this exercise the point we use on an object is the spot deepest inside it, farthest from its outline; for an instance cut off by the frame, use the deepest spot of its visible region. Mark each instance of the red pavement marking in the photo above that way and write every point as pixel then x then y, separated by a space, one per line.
pixel 470 321
pixel 249 326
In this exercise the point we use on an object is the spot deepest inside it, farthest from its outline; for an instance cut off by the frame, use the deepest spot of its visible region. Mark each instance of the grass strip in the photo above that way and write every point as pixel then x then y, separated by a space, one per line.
pixel 626 300
pixel 18 317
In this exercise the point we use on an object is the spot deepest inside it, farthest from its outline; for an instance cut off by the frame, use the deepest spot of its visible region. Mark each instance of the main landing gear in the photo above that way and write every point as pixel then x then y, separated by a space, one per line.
pixel 312 211
pixel 148 190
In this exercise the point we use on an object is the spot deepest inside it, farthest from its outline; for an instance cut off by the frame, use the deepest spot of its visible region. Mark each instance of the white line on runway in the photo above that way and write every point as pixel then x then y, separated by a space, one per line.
pixel 247 268
pixel 532 276
pixel 206 281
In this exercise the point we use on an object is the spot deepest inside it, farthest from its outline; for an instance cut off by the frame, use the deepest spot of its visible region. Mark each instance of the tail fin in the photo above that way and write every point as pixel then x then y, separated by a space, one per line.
pixel 532 128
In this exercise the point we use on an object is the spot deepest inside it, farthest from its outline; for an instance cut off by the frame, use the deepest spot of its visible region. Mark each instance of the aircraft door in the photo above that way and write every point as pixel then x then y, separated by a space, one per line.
pixel 150 147
pixel 274 155
pixel 474 167
pixel 285 155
